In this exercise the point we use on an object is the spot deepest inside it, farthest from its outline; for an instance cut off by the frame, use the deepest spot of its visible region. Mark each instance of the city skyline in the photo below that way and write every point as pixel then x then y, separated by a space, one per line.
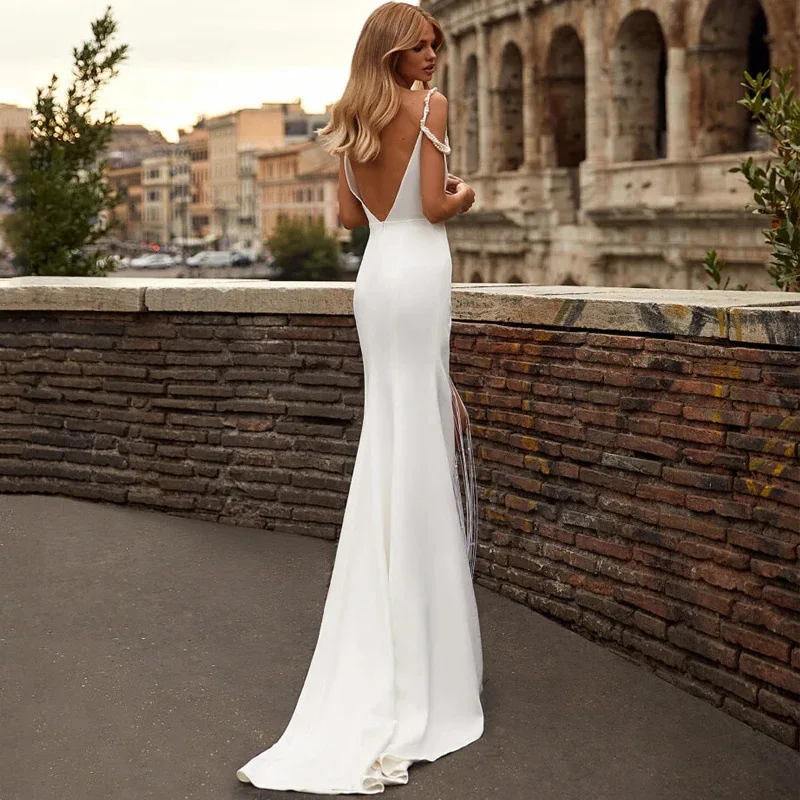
pixel 254 52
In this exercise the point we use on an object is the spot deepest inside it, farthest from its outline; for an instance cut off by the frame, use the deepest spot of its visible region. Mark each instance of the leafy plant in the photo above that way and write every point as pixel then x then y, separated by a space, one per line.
pixel 776 186
pixel 303 251
pixel 61 197
pixel 714 268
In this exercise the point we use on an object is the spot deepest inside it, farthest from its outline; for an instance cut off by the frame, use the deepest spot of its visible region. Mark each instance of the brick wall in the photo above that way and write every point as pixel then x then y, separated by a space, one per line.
pixel 645 491
pixel 642 489
pixel 246 419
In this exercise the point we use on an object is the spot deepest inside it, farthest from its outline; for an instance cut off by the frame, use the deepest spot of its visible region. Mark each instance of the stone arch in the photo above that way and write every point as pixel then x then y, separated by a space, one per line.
pixel 476 277
pixel 733 38
pixel 565 98
pixel 509 95
pixel 569 281
pixel 471 114
pixel 514 279
pixel 638 89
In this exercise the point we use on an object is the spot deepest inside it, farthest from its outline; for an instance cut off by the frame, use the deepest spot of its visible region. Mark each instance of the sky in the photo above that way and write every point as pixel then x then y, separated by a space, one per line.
pixel 187 57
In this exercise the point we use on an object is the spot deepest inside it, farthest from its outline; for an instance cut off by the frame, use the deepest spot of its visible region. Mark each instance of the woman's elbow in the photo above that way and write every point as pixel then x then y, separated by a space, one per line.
pixel 432 213
pixel 350 222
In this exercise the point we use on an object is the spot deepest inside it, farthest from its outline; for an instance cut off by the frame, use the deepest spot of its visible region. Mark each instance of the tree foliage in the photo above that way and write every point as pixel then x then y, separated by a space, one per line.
pixel 714 267
pixel 303 251
pixel 61 197
pixel 776 187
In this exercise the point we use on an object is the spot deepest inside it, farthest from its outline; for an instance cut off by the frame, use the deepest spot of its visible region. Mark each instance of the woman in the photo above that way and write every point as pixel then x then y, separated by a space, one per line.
pixel 397 670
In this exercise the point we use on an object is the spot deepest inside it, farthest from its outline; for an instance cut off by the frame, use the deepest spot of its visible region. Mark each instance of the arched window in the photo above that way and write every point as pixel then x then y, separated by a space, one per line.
pixel 471 117
pixel 733 38
pixel 510 99
pixel 638 83
pixel 565 90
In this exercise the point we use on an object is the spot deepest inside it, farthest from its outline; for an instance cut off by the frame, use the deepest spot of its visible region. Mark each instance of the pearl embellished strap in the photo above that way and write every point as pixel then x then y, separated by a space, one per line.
pixel 444 148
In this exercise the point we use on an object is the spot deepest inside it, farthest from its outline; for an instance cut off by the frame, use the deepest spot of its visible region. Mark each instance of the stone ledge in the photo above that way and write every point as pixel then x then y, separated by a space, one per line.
pixel 756 317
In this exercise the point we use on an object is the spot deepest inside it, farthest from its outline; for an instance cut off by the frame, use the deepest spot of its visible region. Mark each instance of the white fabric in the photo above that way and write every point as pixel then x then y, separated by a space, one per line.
pixel 397 670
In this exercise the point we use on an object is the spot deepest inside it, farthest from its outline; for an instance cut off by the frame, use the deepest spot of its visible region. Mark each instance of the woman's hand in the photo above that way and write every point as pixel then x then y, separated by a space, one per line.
pixel 452 183
pixel 467 195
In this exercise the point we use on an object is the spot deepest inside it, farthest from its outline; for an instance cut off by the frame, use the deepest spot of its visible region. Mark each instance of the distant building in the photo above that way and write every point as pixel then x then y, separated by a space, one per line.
pixel 15 122
pixel 247 218
pixel 131 144
pixel 300 126
pixel 200 212
pixel 229 135
pixel 166 185
pixel 127 183
pixel 300 181
pixel 236 141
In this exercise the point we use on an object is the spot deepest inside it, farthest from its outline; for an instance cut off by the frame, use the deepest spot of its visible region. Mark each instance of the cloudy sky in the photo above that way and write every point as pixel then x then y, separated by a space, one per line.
pixel 188 57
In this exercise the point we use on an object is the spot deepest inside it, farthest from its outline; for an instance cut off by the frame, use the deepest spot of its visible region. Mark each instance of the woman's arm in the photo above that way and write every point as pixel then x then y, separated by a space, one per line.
pixel 437 204
pixel 351 212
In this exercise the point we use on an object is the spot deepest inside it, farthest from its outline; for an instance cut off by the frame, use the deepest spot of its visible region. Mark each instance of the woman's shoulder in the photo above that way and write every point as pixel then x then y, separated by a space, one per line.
pixel 415 100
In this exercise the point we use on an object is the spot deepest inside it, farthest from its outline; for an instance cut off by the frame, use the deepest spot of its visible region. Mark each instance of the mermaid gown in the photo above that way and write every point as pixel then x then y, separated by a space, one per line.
pixel 397 670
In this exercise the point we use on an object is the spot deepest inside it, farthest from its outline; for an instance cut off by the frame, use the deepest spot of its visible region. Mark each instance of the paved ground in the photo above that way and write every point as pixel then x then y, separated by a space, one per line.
pixel 145 656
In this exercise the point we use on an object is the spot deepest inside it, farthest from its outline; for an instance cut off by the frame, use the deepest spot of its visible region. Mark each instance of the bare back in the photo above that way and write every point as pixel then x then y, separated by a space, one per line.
pixel 379 180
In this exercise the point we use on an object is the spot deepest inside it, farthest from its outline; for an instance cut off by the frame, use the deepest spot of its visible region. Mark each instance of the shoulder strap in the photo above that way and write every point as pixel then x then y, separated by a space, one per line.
pixel 445 148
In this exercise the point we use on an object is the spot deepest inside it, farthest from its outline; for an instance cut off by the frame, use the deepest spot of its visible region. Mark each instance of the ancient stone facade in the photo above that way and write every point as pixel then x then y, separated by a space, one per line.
pixel 599 136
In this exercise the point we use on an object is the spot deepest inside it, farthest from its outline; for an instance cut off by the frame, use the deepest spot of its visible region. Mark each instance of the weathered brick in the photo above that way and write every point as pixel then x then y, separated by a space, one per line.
pixel 698 594
pixel 691 433
pixel 759 642
pixel 713 649
pixel 729 681
pixel 654 649
pixel 777 704
pixel 783 597
pixel 715 458
pixel 775 569
pixel 757 613
pixel 643 444
pixel 761 444
pixel 770 672
pixel 643 466
pixel 615 482
pixel 761 543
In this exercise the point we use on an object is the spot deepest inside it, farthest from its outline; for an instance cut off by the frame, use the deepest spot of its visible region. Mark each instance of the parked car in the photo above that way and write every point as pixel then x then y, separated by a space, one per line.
pixel 241 260
pixel 153 261
pixel 211 258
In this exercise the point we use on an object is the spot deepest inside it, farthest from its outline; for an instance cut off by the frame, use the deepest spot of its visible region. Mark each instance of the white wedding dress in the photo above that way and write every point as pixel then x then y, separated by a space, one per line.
pixel 397 670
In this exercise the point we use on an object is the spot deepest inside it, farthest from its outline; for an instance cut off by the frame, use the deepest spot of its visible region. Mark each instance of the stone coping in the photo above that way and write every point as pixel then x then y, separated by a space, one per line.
pixel 755 317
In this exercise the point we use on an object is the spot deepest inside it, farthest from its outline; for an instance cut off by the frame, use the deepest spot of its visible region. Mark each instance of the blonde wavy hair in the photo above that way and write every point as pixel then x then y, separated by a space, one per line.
pixel 371 98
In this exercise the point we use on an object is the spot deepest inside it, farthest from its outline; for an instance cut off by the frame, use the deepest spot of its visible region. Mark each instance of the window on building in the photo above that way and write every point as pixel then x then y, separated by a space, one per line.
pixel 296 128
pixel 320 194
